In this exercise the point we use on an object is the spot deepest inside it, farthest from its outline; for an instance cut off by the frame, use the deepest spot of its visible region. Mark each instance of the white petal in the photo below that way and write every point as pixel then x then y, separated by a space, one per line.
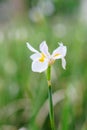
pixel 63 63
pixel 38 66
pixel 59 52
pixel 44 48
pixel 31 48
pixel 35 56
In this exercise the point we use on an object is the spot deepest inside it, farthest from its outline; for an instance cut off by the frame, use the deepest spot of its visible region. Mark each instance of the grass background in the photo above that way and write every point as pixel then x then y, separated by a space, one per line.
pixel 23 92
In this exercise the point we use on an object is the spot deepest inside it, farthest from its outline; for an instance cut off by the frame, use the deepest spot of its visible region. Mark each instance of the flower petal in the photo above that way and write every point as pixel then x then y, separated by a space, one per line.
pixel 63 63
pixel 44 48
pixel 59 52
pixel 38 66
pixel 31 48
pixel 35 56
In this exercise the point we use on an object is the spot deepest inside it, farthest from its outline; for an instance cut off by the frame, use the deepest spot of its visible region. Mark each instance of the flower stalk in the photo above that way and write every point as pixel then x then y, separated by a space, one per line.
pixel 51 112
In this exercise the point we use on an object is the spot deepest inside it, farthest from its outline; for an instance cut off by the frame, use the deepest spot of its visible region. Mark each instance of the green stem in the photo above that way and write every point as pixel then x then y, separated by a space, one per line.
pixel 50 98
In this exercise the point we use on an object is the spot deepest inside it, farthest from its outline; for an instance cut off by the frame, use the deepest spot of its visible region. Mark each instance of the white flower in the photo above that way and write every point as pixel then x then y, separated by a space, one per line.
pixel 42 59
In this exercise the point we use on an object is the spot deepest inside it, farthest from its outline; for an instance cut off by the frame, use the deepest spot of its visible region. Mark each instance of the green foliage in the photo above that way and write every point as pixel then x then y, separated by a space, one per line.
pixel 66 6
pixel 23 93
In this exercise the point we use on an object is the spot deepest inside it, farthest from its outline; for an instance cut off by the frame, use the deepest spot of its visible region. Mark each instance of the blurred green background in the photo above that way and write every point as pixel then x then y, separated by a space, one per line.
pixel 23 93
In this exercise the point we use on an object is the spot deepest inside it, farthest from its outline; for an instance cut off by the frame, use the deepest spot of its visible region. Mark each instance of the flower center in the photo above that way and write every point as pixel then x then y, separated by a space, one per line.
pixel 42 58
pixel 51 61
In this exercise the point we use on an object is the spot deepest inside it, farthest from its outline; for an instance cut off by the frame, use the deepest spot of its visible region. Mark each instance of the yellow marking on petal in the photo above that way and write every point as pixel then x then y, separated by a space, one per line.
pixel 42 58
pixel 56 55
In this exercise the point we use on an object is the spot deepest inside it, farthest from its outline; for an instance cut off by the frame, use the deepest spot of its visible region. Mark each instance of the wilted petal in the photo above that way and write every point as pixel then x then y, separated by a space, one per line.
pixel 59 52
pixel 31 48
pixel 63 63
pixel 38 66
pixel 35 56
pixel 44 48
